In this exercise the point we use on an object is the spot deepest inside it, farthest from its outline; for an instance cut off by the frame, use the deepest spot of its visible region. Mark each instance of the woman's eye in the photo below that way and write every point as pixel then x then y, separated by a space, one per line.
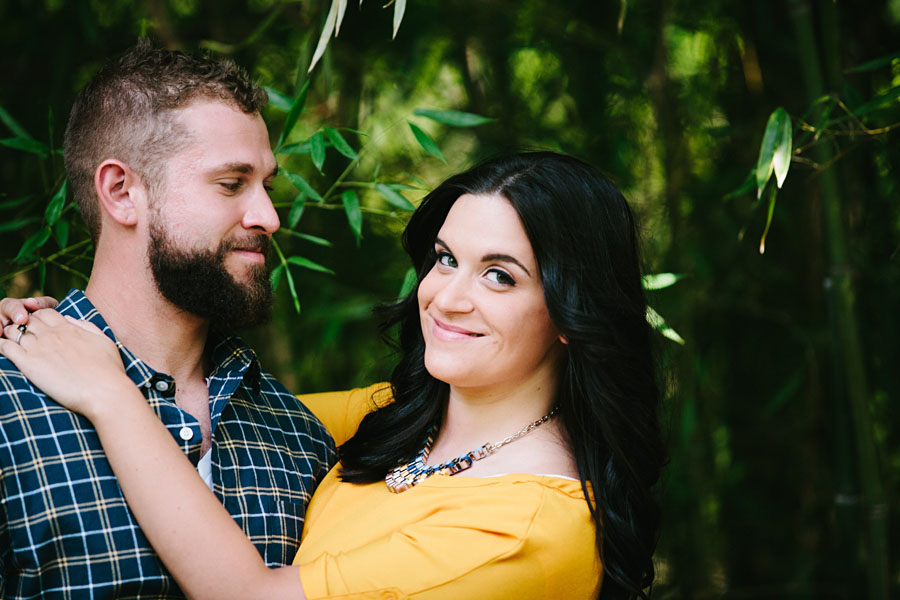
pixel 501 277
pixel 446 259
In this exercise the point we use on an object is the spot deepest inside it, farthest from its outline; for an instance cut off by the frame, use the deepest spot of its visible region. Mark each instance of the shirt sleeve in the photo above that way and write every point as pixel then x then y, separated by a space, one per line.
pixel 341 412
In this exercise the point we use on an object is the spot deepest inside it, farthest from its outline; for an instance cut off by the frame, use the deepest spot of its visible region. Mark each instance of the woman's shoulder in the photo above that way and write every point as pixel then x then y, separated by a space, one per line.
pixel 341 412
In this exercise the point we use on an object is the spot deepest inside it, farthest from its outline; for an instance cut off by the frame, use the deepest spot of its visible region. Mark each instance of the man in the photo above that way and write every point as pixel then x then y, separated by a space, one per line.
pixel 170 164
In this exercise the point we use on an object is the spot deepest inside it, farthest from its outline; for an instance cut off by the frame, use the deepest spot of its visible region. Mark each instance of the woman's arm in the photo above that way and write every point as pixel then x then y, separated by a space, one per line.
pixel 74 363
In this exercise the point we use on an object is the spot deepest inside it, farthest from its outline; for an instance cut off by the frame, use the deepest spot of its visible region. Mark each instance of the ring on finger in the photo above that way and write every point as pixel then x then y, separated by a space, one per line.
pixel 22 331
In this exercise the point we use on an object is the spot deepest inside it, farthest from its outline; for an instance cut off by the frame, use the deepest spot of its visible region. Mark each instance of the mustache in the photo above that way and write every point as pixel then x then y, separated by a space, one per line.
pixel 254 243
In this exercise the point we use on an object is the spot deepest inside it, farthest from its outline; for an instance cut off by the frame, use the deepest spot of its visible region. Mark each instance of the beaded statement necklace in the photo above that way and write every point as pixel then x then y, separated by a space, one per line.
pixel 403 477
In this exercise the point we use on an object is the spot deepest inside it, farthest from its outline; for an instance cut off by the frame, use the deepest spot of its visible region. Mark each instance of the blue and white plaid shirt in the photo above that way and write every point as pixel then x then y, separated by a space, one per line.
pixel 65 529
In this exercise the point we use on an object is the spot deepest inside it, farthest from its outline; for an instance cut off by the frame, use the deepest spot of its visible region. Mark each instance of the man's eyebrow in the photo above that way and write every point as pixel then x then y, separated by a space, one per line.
pixel 241 167
pixel 495 256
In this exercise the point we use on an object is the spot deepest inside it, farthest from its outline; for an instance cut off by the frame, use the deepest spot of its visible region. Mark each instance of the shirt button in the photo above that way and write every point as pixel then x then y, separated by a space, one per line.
pixel 186 434
pixel 162 386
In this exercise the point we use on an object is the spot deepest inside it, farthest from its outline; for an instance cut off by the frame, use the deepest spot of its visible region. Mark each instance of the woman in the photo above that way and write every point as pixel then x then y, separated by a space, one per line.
pixel 527 329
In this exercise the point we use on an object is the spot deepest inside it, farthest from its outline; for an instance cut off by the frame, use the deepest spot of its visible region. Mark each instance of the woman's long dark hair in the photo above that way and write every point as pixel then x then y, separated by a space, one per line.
pixel 584 239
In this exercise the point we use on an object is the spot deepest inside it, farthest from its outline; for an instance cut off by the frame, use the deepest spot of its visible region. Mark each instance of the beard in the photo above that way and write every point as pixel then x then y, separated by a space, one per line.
pixel 198 282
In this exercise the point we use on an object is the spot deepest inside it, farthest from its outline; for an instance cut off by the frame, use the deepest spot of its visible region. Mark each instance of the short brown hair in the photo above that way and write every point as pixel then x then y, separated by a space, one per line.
pixel 125 112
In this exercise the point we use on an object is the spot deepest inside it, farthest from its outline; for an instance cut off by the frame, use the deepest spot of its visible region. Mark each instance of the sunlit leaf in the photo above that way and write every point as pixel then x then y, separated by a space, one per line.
pixel 317 143
pixel 26 145
pixel 325 36
pixel 399 9
pixel 278 100
pixel 296 210
pixel 35 242
pixel 308 264
pixel 658 281
pixel 426 142
pixel 293 115
pixel 772 138
pixel 303 185
pixel 54 208
pixel 298 148
pixel 292 289
pixel 13 125
pixel 394 198
pixel 340 144
pixel 342 8
pixel 781 160
pixel 354 215
pixel 657 322
pixel 454 118
pixel 409 282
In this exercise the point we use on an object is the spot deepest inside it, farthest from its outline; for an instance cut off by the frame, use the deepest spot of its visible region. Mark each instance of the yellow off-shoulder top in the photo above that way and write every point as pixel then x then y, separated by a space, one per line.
pixel 511 537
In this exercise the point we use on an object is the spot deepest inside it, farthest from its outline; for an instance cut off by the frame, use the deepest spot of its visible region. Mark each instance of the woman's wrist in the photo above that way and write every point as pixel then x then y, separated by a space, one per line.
pixel 109 399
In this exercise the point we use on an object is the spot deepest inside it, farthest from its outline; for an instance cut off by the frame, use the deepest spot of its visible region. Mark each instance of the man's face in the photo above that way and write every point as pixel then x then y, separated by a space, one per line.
pixel 209 229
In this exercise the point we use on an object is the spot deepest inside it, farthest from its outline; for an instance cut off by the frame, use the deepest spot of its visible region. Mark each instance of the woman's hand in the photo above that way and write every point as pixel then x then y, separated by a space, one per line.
pixel 71 361
pixel 15 311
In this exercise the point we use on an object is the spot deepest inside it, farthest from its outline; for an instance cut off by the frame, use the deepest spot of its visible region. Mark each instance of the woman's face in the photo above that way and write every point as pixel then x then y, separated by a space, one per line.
pixel 481 305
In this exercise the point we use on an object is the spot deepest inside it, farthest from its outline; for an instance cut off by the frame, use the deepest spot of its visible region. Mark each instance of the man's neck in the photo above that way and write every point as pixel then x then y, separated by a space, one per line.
pixel 165 337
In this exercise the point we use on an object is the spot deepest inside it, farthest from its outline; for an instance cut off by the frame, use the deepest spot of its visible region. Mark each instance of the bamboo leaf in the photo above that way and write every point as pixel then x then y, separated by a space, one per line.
pixel 399 9
pixel 292 288
pixel 657 322
pixel 35 242
pixel 13 125
pixel 278 100
pixel 17 224
pixel 409 282
pixel 308 264
pixel 325 37
pixel 340 144
pixel 16 202
pixel 293 115
pixel 354 215
pixel 658 281
pixel 873 64
pixel 61 233
pixel 26 145
pixel 771 211
pixel 303 185
pixel 427 143
pixel 771 137
pixel 453 118
pixel 296 210
pixel 342 8
pixel 394 198
pixel 275 276
pixel 317 145
pixel 54 208
pixel 309 238
pixel 781 160
pixel 878 101
pixel 298 148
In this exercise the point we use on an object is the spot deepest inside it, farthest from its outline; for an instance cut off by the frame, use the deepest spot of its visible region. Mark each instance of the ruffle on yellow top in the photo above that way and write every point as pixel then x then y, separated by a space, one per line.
pixel 517 536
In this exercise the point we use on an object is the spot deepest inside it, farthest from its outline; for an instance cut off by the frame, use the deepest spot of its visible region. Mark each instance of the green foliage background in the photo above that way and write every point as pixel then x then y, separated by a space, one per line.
pixel 785 456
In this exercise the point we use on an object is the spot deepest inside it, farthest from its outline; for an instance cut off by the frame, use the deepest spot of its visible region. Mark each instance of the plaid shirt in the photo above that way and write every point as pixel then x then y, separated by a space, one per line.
pixel 65 529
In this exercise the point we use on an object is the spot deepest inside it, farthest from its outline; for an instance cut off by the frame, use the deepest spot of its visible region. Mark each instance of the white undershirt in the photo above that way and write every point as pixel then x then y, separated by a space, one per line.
pixel 204 467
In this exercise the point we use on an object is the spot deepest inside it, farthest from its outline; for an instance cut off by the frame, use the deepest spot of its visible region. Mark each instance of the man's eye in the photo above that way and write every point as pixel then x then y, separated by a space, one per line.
pixel 446 259
pixel 231 186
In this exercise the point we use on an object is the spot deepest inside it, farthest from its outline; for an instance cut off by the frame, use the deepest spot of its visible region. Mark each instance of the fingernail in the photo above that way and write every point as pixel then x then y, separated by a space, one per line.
pixel 19 318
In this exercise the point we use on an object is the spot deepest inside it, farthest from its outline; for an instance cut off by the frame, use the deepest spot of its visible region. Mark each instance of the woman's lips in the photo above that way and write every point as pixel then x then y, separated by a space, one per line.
pixel 445 331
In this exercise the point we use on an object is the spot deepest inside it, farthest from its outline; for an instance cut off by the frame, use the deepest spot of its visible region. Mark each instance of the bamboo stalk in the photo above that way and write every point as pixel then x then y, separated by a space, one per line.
pixel 844 328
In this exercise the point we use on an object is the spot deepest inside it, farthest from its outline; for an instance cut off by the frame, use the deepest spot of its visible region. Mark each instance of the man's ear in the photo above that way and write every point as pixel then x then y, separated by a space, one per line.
pixel 120 191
